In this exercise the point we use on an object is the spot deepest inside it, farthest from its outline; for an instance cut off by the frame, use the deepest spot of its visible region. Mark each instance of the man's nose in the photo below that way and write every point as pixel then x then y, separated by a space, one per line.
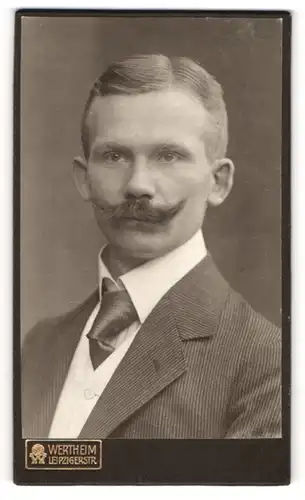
pixel 140 182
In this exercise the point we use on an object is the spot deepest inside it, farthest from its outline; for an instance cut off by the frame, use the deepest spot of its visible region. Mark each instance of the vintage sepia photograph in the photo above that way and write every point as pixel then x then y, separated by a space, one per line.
pixel 151 228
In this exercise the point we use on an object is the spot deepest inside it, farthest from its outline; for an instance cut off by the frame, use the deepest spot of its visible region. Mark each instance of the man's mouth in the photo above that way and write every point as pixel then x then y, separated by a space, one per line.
pixel 145 220
pixel 141 224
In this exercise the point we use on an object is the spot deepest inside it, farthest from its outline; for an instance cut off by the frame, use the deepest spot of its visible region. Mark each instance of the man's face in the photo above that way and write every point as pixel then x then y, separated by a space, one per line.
pixel 147 174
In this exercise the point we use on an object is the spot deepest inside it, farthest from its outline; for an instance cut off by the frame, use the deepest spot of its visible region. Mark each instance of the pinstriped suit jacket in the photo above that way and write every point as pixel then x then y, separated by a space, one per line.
pixel 203 365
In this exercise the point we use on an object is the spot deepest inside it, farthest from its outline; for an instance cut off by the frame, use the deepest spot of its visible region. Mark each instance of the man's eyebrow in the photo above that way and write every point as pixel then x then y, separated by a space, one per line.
pixel 171 145
pixel 175 146
pixel 104 145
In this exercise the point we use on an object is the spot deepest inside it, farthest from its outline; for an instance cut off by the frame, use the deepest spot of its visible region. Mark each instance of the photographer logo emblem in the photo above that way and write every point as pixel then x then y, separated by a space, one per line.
pixel 38 455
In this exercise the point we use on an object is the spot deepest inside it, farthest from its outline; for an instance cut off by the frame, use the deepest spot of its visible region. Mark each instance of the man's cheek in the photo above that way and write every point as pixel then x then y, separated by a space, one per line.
pixel 190 188
pixel 200 185
pixel 187 177
pixel 175 187
pixel 108 187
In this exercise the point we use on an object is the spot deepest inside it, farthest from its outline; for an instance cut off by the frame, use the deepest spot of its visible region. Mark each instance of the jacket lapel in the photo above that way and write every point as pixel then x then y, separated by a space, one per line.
pixel 155 359
pixel 55 365
pixel 198 301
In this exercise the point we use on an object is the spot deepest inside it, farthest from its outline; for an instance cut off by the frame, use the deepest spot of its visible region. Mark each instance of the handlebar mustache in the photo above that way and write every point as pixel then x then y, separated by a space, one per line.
pixel 139 209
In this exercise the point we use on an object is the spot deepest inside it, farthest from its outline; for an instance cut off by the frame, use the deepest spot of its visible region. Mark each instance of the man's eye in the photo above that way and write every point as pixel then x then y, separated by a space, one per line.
pixel 168 156
pixel 113 157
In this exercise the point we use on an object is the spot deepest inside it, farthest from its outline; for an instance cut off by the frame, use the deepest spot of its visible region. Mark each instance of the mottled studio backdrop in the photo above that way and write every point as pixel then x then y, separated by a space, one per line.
pixel 60 59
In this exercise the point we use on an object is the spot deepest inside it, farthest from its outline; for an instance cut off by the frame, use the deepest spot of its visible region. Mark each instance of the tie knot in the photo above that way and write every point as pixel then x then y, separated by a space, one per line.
pixel 116 313
pixel 108 286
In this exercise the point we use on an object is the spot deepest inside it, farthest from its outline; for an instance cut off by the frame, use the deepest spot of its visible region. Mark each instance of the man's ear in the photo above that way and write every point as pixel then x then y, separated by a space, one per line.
pixel 223 175
pixel 80 177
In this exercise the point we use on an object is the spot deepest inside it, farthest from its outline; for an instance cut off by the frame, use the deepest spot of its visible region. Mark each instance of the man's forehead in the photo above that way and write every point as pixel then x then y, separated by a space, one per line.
pixel 167 114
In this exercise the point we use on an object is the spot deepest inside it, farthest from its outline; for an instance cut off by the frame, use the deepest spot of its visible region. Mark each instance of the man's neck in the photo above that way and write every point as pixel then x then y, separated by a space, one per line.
pixel 118 263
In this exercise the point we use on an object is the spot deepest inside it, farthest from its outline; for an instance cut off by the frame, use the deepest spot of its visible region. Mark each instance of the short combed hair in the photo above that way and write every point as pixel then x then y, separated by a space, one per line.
pixel 150 73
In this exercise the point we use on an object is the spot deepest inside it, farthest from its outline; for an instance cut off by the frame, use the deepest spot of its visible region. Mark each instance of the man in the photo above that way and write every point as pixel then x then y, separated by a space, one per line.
pixel 164 348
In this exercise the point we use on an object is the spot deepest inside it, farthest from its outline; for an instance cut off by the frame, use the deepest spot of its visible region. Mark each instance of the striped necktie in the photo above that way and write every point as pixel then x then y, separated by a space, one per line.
pixel 115 314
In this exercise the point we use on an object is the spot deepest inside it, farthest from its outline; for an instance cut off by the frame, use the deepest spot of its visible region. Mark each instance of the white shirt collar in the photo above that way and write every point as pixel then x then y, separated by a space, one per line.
pixel 148 283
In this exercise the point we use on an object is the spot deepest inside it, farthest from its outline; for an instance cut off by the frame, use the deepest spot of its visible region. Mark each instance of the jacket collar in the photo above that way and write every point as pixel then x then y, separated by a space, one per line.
pixel 198 299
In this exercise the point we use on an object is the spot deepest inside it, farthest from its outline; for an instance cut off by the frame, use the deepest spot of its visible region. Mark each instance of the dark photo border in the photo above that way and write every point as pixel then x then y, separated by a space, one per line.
pixel 207 462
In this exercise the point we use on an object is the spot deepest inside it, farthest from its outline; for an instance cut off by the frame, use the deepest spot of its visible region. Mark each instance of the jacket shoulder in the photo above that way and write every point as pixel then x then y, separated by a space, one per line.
pixel 46 328
pixel 249 330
